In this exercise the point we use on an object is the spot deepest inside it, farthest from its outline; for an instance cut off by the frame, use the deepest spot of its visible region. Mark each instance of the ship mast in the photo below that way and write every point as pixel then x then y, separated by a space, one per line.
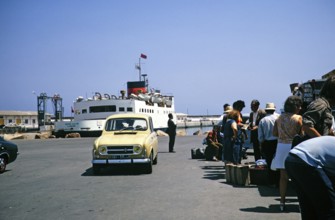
pixel 139 68
pixel 142 56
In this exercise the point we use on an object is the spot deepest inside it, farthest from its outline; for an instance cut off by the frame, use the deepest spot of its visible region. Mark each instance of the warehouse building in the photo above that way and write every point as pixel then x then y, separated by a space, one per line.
pixel 24 119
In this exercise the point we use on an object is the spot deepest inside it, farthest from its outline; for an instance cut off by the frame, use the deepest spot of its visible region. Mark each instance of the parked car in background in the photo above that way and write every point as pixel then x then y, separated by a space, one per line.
pixel 8 153
pixel 126 139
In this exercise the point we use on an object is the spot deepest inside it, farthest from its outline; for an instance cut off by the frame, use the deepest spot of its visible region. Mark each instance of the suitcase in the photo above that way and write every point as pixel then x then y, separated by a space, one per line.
pixel 198 153
pixel 259 175
pixel 193 153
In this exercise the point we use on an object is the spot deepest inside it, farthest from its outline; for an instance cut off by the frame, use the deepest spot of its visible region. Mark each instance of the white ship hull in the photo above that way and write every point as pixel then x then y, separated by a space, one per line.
pixel 90 115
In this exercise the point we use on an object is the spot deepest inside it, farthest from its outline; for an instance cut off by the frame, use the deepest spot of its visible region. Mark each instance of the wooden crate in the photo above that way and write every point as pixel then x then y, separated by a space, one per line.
pixel 237 174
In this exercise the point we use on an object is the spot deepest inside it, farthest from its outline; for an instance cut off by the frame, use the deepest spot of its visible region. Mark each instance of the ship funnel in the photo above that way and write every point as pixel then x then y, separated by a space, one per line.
pixel 136 87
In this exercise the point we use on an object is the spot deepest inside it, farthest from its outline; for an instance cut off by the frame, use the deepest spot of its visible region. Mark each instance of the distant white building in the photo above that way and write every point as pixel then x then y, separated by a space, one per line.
pixel 26 119
pixel 181 117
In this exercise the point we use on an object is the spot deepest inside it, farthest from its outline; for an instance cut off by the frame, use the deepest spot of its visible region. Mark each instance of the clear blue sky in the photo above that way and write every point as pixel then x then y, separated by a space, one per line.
pixel 205 53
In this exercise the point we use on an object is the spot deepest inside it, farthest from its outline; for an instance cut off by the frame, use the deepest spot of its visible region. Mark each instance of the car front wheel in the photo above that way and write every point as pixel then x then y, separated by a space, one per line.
pixel 3 164
pixel 148 166
pixel 155 160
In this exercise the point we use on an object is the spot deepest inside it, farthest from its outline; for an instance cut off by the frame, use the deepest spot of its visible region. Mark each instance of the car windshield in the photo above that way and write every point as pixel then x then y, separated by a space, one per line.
pixel 120 124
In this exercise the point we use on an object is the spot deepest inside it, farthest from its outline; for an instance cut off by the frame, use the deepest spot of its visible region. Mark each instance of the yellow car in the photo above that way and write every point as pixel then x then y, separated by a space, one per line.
pixel 126 139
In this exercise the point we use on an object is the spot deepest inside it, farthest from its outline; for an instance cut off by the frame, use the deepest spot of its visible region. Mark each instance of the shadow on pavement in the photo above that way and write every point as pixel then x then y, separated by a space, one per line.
pixel 218 172
pixel 214 172
pixel 272 209
pixel 266 190
pixel 125 170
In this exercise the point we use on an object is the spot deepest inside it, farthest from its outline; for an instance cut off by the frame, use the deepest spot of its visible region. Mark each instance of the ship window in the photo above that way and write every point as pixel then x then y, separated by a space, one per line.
pixel 104 108
pixel 129 109
pixel 121 109
pixel 84 111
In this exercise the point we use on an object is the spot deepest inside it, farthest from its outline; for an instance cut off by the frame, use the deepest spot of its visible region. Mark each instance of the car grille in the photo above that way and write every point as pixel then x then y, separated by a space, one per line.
pixel 120 150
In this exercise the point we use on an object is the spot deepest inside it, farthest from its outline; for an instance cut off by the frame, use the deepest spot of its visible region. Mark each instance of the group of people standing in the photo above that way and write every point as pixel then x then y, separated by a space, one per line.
pixel 310 165
pixel 233 133
pixel 315 121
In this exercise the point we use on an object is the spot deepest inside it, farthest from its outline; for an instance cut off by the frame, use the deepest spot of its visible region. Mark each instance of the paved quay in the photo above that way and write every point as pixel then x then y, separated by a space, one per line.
pixel 52 179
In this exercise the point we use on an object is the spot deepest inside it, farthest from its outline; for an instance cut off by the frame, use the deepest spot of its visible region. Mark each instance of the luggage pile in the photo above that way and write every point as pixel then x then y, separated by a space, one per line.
pixel 249 173
pixel 254 173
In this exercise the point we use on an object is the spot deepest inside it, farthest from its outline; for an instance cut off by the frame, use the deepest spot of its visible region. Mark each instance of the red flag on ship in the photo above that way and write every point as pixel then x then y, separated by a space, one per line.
pixel 143 56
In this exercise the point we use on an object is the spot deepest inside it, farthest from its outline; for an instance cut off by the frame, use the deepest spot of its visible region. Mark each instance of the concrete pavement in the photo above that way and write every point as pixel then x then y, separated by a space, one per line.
pixel 53 179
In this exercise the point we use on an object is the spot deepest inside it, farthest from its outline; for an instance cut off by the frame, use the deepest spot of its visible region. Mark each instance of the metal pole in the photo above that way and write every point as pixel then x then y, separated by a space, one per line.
pixel 44 107
pixel 139 68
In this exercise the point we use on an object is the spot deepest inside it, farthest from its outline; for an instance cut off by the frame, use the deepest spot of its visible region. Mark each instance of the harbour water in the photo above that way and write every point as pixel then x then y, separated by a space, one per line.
pixel 192 130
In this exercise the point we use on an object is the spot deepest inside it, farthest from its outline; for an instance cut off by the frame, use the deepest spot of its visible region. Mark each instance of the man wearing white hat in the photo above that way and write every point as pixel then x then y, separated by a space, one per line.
pixel 267 141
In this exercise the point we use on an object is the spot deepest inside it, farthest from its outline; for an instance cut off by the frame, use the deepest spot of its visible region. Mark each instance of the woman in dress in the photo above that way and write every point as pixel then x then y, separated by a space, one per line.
pixel 286 127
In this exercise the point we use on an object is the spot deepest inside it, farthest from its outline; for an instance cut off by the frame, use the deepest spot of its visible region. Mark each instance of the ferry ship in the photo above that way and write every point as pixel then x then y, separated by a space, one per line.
pixel 90 113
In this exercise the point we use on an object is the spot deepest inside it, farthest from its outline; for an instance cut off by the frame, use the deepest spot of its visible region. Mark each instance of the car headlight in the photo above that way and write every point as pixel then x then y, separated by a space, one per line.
pixel 137 149
pixel 102 150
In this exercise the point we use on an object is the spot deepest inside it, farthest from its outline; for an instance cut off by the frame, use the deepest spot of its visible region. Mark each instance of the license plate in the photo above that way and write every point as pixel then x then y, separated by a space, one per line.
pixel 119 156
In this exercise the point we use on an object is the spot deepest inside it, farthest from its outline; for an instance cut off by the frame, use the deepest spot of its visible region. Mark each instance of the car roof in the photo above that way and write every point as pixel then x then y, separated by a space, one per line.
pixel 129 115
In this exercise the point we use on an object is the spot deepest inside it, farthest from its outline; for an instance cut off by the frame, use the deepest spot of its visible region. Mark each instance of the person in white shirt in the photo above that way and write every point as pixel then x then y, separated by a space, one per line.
pixel 311 166
pixel 268 142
